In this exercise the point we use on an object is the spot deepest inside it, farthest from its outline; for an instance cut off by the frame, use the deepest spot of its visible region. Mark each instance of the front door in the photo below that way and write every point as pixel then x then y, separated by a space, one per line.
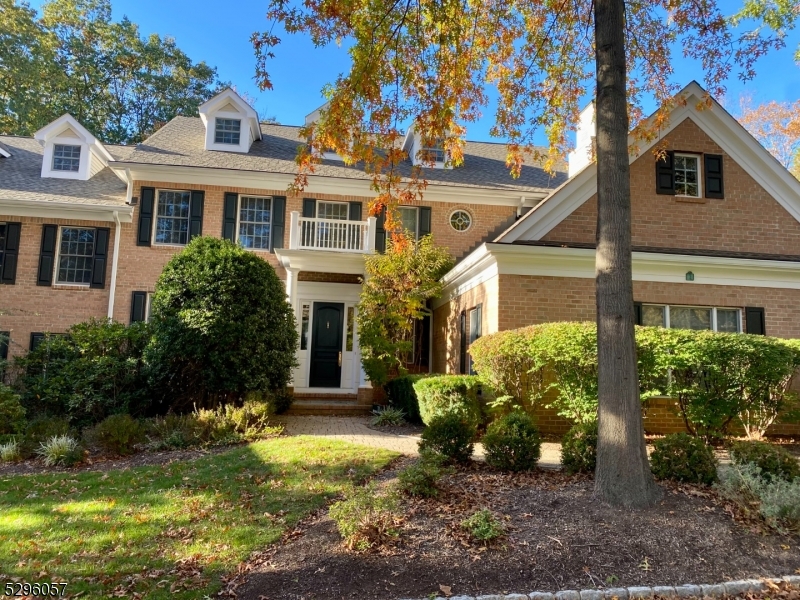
pixel 326 345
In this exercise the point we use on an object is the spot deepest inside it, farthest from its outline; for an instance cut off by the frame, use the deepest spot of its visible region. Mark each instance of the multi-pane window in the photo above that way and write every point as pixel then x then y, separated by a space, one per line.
pixel 435 153
pixel 333 210
pixel 75 253
pixel 692 317
pixel 304 321
pixel 227 131
pixel 254 222
pixel 172 217
pixel 687 175
pixel 351 313
pixel 460 220
pixel 409 218
pixel 66 158
pixel 2 244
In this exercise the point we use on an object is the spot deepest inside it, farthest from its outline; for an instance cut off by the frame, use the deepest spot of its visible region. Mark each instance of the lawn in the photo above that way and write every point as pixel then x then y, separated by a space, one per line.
pixel 169 531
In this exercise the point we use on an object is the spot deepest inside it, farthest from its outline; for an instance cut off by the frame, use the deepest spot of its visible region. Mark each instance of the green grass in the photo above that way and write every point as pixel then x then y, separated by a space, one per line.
pixel 169 531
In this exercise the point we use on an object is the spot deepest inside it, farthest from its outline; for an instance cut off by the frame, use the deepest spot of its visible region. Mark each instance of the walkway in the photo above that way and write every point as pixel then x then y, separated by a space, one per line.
pixel 355 430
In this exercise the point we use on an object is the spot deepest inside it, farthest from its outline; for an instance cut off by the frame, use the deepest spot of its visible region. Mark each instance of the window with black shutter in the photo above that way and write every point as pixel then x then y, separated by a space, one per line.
pixel 278 222
pixel 665 175
pixel 146 209
pixel 712 168
pixel 754 321
pixel 47 255
pixel 138 307
pixel 462 331
pixel 9 251
pixel 380 231
pixel 5 338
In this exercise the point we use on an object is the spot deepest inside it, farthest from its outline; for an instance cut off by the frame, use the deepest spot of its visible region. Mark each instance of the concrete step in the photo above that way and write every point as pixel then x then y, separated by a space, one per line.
pixel 328 407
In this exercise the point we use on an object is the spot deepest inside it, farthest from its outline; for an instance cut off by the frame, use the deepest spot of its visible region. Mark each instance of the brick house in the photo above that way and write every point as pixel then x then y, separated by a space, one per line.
pixel 86 228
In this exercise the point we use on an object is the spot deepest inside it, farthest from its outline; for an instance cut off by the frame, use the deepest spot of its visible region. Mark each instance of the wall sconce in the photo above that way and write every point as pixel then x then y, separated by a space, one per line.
pixel 689 276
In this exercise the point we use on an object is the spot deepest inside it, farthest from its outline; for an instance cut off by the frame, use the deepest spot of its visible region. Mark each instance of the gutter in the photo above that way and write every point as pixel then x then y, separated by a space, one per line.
pixel 114 263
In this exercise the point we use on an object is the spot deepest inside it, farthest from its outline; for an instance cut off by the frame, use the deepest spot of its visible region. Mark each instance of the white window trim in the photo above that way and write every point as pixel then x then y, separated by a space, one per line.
pixel 155 219
pixel 238 219
pixel 713 314
pixel 454 211
pixel 148 300
pixel 57 260
pixel 699 173
pixel 53 158
pixel 219 116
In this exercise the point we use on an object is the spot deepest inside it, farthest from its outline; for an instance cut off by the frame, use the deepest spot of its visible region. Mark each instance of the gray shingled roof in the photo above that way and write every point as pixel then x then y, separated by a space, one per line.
pixel 21 177
pixel 180 142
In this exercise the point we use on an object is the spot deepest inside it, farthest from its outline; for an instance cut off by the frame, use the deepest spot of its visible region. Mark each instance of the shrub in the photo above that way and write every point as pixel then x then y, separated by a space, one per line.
pixel 483 526
pixel 40 430
pixel 450 435
pixel 173 431
pixel 221 327
pixel 12 414
pixel 512 443
pixel 773 461
pixel 60 450
pixel 447 394
pixel 388 416
pixel 579 448
pixel 507 364
pixel 400 394
pixel 776 501
pixel 366 517
pixel 117 434
pixel 680 457
pixel 231 424
pixel 422 478
pixel 93 371
pixel 280 401
pixel 10 451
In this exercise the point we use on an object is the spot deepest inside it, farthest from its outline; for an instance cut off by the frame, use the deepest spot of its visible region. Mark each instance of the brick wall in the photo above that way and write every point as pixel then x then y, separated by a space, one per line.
pixel 747 220
pixel 26 307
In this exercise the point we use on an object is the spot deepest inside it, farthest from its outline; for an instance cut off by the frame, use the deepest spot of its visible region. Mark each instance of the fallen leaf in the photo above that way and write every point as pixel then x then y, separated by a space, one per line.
pixel 446 589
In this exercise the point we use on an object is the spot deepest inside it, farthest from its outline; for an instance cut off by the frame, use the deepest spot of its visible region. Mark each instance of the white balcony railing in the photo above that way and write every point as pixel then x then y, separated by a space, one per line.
pixel 331 234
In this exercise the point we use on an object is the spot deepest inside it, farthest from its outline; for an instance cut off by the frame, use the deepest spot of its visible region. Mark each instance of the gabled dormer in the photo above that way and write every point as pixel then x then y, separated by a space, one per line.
pixel 432 155
pixel 231 123
pixel 312 118
pixel 70 151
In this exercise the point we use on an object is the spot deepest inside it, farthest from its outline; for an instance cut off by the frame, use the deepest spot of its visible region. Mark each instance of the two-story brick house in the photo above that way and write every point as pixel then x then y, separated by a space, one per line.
pixel 86 228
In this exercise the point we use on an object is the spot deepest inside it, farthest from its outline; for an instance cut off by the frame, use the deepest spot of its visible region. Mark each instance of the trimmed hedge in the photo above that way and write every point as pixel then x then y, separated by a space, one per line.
pixel 773 461
pixel 400 394
pixel 512 443
pixel 683 458
pixel 579 448
pixel 446 394
pixel 450 435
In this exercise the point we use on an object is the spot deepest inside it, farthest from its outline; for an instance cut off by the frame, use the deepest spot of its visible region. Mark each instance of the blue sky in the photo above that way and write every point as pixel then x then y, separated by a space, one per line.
pixel 219 33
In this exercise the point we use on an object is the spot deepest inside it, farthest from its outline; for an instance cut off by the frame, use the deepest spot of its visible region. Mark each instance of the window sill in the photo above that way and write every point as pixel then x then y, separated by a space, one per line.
pixel 691 200
pixel 72 286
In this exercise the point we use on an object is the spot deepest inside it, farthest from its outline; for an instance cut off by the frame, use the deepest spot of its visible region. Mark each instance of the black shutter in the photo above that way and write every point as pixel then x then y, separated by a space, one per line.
pixel 665 174
pixel 380 231
pixel 138 307
pixel 713 176
pixel 278 222
pixel 47 256
pixel 10 254
pixel 355 211
pixel 146 209
pixel 5 337
pixel 36 339
pixel 462 359
pixel 196 214
pixel 424 220
pixel 229 217
pixel 754 320
pixel 309 208
pixel 637 313
pixel 425 341
pixel 100 259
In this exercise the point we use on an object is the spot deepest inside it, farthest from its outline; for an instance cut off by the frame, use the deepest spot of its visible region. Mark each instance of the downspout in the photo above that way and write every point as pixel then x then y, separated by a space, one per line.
pixel 117 235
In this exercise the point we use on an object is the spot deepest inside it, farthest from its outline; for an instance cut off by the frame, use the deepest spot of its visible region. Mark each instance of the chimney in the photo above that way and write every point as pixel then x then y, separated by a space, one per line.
pixel 584 152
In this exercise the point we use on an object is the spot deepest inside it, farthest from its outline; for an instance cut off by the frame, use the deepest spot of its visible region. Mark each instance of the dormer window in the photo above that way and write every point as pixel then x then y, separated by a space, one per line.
pixel 66 158
pixel 435 153
pixel 430 153
pixel 227 131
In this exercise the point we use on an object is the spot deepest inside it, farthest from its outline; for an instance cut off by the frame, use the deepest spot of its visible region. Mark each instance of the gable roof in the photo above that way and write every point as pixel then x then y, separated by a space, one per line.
pixel 67 122
pixel 715 122
pixel 180 143
pixel 221 102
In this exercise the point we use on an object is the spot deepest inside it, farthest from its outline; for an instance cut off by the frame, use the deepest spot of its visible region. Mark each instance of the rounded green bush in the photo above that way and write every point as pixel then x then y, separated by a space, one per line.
pixel 450 435
pixel 117 434
pixel 680 457
pixel 445 394
pixel 512 443
pixel 579 448
pixel 774 461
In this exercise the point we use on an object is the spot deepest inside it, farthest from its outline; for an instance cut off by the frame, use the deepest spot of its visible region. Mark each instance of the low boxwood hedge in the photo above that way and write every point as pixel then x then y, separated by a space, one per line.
pixel 446 394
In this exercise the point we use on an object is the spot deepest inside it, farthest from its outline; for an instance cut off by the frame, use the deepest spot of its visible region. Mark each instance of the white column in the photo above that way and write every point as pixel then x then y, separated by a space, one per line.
pixel 294 230
pixel 291 285
pixel 372 228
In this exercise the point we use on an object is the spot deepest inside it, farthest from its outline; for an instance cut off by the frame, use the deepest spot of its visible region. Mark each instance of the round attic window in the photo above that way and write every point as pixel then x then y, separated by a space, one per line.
pixel 460 220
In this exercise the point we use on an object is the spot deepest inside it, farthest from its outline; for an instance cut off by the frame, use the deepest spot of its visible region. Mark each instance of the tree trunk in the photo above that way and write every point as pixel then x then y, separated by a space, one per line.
pixel 623 476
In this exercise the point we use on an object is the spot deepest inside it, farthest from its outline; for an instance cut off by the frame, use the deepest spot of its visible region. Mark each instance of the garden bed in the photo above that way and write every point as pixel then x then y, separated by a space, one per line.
pixel 558 538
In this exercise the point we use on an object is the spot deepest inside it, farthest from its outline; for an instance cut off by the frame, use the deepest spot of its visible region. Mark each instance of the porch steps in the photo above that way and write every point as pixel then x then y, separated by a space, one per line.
pixel 328 404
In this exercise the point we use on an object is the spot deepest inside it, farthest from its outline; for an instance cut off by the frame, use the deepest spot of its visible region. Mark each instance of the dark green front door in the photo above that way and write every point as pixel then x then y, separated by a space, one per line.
pixel 326 345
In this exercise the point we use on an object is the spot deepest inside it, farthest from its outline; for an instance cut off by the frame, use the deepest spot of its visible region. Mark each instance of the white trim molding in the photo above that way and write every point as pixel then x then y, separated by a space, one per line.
pixel 67 131
pixel 321 261
pixel 65 210
pixel 715 122
pixel 230 105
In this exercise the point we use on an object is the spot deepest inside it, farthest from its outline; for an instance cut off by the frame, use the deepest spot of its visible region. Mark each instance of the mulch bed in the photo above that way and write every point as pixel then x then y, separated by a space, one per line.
pixel 102 463
pixel 558 538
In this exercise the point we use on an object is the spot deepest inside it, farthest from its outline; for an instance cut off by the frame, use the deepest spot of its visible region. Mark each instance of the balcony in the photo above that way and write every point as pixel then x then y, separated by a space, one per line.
pixel 354 237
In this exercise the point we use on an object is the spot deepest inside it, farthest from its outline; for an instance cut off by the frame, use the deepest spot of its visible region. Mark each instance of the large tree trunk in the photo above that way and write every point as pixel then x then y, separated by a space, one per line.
pixel 623 476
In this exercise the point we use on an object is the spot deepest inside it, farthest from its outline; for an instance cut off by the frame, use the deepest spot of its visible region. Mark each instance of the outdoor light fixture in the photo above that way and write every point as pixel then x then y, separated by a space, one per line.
pixel 689 276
